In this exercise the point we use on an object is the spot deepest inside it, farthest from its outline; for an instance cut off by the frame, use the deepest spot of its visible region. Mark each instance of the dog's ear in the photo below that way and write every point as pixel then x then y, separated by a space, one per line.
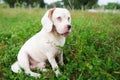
pixel 46 21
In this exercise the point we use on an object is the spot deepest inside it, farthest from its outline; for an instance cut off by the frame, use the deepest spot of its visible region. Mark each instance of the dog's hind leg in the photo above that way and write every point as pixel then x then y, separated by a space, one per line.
pixel 23 60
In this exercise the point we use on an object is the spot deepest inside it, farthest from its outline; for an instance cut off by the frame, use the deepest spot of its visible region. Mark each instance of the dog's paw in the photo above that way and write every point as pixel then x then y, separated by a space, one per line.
pixel 57 72
pixel 62 64
pixel 43 69
pixel 36 75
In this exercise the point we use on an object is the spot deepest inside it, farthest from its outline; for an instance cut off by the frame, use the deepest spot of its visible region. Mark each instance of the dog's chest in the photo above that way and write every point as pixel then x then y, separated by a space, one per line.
pixel 53 45
pixel 46 45
pixel 56 41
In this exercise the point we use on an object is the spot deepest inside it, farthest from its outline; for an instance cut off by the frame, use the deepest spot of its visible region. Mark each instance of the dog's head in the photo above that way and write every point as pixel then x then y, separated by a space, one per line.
pixel 58 19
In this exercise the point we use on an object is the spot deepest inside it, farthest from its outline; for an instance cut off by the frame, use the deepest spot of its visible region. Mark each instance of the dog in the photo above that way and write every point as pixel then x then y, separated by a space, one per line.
pixel 45 45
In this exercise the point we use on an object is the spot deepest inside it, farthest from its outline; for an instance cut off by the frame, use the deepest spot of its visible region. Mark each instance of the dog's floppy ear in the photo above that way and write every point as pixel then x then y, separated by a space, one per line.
pixel 46 21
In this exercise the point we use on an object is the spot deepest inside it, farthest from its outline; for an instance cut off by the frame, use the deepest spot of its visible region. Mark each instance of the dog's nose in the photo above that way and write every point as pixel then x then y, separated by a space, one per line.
pixel 68 26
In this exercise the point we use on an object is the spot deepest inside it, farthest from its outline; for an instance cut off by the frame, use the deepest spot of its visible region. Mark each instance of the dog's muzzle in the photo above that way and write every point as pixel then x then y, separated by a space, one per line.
pixel 68 29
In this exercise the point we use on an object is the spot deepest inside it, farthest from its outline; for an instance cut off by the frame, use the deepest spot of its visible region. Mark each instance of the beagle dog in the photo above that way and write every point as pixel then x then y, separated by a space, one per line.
pixel 45 45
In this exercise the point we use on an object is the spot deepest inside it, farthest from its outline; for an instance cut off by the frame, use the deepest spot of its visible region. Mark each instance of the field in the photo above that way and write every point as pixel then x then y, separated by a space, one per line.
pixel 91 52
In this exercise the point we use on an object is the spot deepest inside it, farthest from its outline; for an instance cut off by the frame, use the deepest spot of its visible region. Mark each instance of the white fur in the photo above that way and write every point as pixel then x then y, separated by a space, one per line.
pixel 44 45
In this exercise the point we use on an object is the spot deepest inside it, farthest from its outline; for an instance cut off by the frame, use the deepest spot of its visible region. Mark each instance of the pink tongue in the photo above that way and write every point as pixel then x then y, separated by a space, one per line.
pixel 65 34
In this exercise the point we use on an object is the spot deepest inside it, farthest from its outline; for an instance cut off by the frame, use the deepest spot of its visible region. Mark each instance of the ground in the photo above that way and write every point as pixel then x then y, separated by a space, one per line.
pixel 91 52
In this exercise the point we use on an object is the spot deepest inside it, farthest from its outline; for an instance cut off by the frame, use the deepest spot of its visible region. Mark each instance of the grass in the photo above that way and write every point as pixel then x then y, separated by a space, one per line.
pixel 91 52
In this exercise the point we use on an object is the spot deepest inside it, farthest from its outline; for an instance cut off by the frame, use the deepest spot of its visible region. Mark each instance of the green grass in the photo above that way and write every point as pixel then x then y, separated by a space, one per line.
pixel 91 52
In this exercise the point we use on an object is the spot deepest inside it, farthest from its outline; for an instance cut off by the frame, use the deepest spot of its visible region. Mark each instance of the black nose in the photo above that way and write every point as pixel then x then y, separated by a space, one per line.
pixel 69 26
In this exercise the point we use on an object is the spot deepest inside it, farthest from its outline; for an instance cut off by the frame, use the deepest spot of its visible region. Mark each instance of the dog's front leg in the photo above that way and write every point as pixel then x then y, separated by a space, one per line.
pixel 60 57
pixel 54 65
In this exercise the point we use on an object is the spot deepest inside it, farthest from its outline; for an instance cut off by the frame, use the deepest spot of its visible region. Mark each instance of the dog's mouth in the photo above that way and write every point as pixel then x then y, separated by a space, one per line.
pixel 65 34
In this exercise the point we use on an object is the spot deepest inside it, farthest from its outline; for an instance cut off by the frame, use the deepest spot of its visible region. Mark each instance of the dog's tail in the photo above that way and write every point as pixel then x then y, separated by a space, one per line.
pixel 16 68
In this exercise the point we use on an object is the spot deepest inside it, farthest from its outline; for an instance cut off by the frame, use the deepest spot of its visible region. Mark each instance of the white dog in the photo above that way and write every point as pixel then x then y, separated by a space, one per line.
pixel 45 44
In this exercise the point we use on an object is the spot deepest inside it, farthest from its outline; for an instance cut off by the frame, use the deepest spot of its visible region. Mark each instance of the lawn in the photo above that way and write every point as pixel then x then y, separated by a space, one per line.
pixel 91 52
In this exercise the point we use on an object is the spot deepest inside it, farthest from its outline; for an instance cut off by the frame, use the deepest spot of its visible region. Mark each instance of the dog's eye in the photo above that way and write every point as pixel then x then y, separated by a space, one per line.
pixel 68 18
pixel 59 18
